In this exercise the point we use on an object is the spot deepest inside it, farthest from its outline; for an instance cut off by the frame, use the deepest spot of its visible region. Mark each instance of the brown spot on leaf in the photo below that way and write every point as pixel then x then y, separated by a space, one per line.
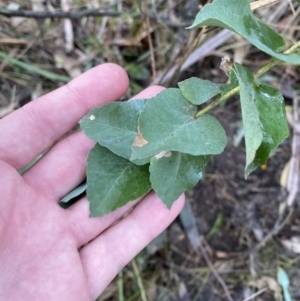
pixel 139 140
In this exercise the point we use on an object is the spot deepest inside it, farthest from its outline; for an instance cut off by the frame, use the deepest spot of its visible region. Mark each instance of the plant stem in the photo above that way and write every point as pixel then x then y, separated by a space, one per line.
pixel 120 286
pixel 273 62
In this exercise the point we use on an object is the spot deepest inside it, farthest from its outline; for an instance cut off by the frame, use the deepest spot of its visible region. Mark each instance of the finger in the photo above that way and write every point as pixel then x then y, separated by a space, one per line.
pixel 64 166
pixel 84 228
pixel 61 169
pixel 113 249
pixel 35 127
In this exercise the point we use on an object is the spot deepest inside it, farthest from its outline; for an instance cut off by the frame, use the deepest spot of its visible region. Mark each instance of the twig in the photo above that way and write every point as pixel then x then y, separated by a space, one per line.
pixel 189 51
pixel 93 12
pixel 139 280
pixel 276 229
pixel 152 56
pixel 261 3
pixel 292 7
pixel 198 54
pixel 294 172
pixel 256 294
pixel 159 80
pixel 120 286
pixel 68 27
pixel 214 271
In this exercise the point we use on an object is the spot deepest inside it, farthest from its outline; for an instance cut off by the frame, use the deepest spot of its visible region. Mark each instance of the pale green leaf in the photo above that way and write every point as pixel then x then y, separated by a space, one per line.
pixel 264 119
pixel 172 175
pixel 284 282
pixel 198 91
pixel 236 15
pixel 74 193
pixel 114 125
pixel 167 123
pixel 113 181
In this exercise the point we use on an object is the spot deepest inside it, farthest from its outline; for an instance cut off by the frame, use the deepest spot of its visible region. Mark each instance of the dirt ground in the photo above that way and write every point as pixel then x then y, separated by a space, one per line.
pixel 233 234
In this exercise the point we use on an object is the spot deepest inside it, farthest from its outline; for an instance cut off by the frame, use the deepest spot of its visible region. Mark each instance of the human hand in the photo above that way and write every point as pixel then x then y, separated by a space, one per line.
pixel 50 253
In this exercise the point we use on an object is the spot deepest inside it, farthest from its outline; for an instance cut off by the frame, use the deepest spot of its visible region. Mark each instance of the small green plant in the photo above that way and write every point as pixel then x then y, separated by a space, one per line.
pixel 164 143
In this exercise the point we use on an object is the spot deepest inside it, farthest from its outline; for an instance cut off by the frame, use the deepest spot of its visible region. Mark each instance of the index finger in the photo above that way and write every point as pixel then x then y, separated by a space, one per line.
pixel 34 128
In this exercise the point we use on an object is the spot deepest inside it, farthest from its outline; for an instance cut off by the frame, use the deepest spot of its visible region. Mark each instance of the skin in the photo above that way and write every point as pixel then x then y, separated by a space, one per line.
pixel 50 253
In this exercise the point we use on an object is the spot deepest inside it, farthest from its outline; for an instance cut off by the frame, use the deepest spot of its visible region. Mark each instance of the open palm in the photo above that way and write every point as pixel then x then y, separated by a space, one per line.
pixel 50 253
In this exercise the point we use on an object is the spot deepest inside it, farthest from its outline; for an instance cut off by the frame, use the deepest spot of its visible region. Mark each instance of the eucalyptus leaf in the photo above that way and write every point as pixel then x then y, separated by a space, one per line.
pixel 167 123
pixel 198 91
pixel 113 181
pixel 236 15
pixel 114 125
pixel 172 175
pixel 264 118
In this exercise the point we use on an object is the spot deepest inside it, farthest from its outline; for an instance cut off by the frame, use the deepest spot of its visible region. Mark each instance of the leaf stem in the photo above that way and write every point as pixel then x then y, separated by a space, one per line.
pixel 273 62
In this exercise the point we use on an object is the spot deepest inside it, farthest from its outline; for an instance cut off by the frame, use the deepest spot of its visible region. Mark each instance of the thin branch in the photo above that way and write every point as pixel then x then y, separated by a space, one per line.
pixel 191 48
pixel 93 12
pixel 72 14
pixel 189 51
pixel 214 271
pixel 151 48
pixel 139 280
pixel 276 229
pixel 261 3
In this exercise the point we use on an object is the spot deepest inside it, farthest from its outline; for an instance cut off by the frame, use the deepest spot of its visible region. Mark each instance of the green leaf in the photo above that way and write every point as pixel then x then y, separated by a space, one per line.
pixel 236 15
pixel 270 105
pixel 114 125
pixel 167 123
pixel 172 175
pixel 198 91
pixel 113 181
pixel 264 119
pixel 284 282
pixel 251 122
pixel 233 83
